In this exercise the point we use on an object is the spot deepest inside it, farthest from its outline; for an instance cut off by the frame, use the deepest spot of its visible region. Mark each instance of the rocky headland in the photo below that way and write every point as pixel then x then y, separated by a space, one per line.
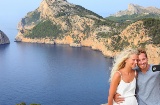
pixel 74 25
pixel 3 38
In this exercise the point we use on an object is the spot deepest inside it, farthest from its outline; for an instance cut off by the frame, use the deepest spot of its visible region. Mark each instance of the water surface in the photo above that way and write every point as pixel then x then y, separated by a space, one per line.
pixel 52 75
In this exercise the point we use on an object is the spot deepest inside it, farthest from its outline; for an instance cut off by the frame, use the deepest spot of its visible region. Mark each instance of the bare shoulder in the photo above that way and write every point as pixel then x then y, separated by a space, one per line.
pixel 116 76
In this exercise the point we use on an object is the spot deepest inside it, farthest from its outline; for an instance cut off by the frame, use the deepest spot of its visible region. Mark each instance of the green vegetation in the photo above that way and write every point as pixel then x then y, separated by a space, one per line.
pixel 115 28
pixel 44 29
pixel 106 34
pixel 118 25
pixel 117 43
pixel 33 17
pixel 76 10
pixel 82 11
pixel 23 103
pixel 76 39
pixel 132 18
pixel 86 31
pixel 153 26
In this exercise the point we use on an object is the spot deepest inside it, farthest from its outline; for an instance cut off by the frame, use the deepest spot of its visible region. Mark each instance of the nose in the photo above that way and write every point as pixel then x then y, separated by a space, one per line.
pixel 139 61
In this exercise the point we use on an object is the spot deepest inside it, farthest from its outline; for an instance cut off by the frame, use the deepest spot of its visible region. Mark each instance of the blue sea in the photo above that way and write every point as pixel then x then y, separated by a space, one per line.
pixel 52 74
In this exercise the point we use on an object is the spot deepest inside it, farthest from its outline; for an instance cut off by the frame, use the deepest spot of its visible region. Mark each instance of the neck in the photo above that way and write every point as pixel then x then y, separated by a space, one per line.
pixel 128 70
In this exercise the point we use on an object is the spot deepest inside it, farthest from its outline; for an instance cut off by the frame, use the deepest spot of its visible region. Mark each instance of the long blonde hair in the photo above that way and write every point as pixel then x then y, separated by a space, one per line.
pixel 119 60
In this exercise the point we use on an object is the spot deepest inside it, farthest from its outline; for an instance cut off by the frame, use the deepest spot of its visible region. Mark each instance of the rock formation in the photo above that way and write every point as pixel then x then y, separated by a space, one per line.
pixel 136 9
pixel 3 38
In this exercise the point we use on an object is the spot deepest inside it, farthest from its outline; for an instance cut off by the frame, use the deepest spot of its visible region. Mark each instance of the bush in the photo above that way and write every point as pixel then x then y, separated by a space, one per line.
pixel 22 103
pixel 44 29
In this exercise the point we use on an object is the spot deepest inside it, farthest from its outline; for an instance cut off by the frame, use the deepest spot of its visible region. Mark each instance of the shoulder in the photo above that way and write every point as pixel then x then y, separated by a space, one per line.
pixel 117 76
pixel 150 65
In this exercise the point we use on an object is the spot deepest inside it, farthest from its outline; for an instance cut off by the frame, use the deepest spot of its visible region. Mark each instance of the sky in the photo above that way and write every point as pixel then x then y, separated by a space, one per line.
pixel 11 11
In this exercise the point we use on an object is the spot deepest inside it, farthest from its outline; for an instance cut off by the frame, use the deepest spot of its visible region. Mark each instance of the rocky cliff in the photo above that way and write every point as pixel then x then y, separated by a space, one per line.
pixel 3 38
pixel 74 25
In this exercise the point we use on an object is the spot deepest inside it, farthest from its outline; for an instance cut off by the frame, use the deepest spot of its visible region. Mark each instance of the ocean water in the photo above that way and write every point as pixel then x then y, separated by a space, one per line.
pixel 52 74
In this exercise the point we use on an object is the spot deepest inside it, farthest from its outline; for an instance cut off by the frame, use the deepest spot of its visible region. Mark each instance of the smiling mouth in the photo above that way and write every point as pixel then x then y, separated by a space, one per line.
pixel 143 65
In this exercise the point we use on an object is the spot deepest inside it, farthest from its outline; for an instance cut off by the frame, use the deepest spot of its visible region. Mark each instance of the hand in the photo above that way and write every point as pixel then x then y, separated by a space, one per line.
pixel 118 99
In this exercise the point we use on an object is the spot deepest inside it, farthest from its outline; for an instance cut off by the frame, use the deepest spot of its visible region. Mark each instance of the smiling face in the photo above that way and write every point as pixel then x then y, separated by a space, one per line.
pixel 132 61
pixel 142 61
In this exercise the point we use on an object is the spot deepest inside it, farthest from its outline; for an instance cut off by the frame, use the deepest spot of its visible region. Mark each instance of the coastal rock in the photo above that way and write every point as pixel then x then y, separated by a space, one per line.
pixel 75 45
pixel 3 38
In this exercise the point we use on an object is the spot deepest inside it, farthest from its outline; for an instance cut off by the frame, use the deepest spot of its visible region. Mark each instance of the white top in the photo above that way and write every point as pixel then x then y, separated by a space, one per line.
pixel 126 89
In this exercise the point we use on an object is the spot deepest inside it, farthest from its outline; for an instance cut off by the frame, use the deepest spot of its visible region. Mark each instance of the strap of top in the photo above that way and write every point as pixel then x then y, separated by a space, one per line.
pixel 119 73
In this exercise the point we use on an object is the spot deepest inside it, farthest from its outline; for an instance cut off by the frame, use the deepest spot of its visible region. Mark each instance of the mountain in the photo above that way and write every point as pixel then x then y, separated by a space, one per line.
pixel 136 9
pixel 3 38
pixel 135 13
pixel 60 22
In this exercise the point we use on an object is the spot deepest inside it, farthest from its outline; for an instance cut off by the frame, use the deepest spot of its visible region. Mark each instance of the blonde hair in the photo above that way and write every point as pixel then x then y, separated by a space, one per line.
pixel 119 60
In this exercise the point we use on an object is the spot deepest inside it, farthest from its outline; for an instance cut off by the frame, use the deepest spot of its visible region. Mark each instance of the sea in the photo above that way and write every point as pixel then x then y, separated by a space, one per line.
pixel 50 74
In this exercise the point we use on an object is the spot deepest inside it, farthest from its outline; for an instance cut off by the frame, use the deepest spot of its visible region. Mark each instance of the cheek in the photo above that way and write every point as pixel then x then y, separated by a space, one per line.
pixel 139 62
pixel 133 63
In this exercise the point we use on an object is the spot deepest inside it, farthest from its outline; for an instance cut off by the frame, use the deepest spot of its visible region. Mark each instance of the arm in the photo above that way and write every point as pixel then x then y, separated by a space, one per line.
pixel 113 87
pixel 118 99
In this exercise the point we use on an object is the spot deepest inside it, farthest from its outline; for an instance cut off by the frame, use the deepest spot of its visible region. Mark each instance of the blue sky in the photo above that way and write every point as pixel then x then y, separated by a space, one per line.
pixel 107 7
pixel 11 11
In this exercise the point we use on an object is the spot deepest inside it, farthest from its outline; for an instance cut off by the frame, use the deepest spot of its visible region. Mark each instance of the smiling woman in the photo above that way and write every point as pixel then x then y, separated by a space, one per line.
pixel 123 77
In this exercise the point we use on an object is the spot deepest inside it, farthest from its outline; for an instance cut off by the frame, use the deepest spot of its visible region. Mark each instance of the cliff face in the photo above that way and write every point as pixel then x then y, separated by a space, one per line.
pixel 81 27
pixel 3 38
pixel 136 35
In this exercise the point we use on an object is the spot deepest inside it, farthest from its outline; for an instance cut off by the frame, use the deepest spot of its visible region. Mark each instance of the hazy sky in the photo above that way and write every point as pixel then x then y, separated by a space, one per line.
pixel 11 11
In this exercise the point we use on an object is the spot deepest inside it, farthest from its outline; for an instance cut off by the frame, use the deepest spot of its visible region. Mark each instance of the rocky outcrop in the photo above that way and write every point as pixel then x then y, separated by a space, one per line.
pixel 136 35
pixel 81 27
pixel 136 9
pixel 3 38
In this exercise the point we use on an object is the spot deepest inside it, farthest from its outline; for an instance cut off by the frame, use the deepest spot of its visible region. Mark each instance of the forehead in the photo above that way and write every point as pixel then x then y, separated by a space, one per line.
pixel 142 55
pixel 133 56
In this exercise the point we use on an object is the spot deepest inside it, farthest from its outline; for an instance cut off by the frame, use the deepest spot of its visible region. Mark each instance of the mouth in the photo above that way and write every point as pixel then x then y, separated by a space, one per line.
pixel 142 65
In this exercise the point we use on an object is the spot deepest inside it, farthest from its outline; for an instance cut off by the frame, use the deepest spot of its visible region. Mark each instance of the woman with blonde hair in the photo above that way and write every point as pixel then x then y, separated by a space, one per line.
pixel 123 77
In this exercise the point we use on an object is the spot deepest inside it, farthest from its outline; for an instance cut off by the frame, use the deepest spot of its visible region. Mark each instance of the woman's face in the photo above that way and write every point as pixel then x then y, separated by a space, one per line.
pixel 132 61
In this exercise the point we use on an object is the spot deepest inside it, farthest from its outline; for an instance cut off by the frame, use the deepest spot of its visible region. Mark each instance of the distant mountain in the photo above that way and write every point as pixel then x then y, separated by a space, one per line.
pixel 136 9
pixel 134 13
pixel 3 38
pixel 60 22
